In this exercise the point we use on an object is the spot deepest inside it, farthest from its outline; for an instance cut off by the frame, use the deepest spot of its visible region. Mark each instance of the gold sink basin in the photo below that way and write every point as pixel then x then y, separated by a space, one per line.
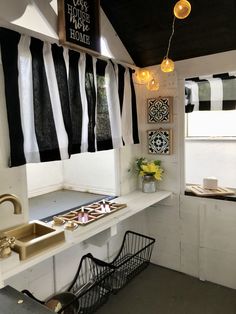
pixel 34 237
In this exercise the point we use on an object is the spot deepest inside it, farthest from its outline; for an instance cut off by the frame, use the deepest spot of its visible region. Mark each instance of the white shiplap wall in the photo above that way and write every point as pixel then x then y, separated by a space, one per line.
pixel 196 236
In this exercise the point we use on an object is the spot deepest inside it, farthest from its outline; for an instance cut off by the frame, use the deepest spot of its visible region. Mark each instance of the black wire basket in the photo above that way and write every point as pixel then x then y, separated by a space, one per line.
pixel 89 284
pixel 87 292
pixel 95 279
pixel 133 257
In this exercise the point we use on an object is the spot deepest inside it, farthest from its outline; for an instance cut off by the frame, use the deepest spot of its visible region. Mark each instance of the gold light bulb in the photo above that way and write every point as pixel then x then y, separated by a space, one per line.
pixel 142 76
pixel 182 9
pixel 167 65
pixel 153 85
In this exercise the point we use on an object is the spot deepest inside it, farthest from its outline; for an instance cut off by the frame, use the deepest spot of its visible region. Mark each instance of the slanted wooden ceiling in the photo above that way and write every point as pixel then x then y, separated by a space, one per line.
pixel 144 26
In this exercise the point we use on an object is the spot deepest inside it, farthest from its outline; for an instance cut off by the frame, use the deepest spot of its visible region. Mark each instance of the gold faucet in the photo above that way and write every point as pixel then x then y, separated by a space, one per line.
pixel 15 201
pixel 6 244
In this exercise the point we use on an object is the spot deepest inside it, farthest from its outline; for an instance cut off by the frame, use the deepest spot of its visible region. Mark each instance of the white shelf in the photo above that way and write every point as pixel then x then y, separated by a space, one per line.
pixel 136 202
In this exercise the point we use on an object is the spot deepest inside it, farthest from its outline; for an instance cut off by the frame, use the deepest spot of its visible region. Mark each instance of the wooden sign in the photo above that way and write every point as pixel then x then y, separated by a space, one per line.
pixel 79 24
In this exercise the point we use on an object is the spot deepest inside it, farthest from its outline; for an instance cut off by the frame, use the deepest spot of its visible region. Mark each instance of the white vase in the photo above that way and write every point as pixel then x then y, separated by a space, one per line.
pixel 149 184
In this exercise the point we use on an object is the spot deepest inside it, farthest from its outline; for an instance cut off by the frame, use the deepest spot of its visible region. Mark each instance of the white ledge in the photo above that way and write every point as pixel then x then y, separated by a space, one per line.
pixel 136 202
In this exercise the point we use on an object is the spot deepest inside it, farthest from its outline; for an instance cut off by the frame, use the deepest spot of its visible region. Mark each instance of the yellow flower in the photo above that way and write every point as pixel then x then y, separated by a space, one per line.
pixel 153 168
pixel 149 168
pixel 158 174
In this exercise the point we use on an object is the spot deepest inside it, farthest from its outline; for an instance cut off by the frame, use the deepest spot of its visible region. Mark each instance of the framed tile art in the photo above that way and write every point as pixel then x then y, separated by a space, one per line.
pixel 160 141
pixel 159 110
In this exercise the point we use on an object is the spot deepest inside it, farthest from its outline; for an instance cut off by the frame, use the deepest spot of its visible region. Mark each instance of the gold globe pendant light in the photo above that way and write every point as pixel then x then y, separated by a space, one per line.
pixel 153 85
pixel 182 9
pixel 167 65
pixel 142 76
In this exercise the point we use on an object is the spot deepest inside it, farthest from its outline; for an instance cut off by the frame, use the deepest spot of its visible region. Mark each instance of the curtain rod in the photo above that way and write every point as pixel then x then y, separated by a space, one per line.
pixel 54 40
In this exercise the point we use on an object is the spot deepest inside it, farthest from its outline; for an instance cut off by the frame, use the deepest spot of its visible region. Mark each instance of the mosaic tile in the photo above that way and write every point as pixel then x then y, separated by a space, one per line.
pixel 159 110
pixel 160 141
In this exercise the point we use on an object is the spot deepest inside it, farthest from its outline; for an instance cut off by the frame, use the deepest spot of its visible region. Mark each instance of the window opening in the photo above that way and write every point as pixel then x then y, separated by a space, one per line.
pixel 210 129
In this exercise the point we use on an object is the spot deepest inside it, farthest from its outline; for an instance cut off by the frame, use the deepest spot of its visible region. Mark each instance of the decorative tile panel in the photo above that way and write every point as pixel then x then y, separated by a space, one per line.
pixel 159 110
pixel 160 141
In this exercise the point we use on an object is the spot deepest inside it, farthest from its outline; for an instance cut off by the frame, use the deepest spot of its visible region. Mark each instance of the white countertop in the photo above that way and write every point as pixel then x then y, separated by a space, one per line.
pixel 136 202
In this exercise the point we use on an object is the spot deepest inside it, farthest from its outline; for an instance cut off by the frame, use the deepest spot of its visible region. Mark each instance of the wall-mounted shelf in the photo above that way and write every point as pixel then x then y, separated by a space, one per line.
pixel 136 202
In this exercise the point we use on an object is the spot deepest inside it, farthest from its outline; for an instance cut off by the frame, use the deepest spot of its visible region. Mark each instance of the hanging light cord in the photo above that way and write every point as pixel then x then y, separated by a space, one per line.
pixel 172 34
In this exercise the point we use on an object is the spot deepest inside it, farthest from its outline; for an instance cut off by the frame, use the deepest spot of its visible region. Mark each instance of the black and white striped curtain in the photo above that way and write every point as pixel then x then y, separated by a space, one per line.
pixel 216 92
pixel 62 102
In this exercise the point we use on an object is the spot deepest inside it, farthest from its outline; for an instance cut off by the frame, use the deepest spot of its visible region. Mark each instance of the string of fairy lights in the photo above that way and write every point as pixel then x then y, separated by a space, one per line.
pixel 181 10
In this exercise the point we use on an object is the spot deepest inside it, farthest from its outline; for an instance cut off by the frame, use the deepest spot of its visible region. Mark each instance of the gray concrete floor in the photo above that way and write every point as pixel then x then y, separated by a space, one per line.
pixel 158 290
